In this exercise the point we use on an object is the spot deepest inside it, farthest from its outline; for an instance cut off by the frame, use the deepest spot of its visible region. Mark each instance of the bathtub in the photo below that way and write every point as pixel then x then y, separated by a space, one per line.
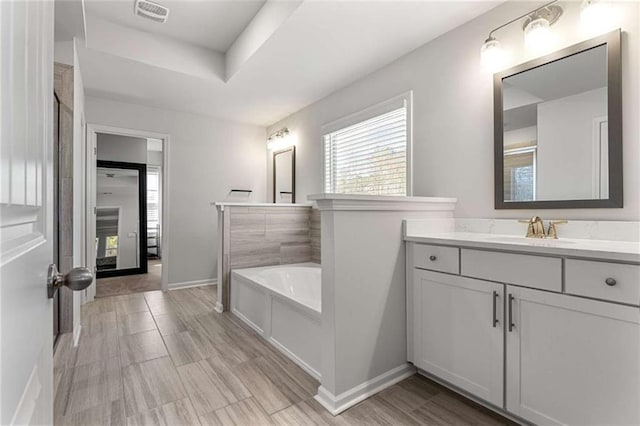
pixel 283 304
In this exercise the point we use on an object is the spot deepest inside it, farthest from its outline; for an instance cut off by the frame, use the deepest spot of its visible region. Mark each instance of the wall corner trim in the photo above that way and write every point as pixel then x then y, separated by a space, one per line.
pixel 336 404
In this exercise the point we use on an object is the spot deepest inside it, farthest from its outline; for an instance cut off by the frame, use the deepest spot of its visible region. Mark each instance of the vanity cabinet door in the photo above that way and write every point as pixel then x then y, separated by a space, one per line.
pixel 571 360
pixel 458 334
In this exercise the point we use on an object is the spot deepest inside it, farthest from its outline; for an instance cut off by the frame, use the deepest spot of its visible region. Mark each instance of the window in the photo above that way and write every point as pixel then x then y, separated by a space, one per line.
pixel 153 197
pixel 520 174
pixel 368 153
pixel 112 246
pixel 153 211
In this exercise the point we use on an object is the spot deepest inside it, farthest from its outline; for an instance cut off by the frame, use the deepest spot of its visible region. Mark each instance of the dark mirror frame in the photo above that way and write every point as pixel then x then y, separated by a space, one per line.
pixel 614 105
pixel 142 210
pixel 293 172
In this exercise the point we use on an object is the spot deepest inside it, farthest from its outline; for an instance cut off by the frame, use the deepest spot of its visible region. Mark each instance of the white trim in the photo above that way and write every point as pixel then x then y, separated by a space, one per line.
pixel 351 202
pixel 91 142
pixel 29 400
pixel 596 138
pixel 189 284
pixel 404 99
pixel 219 307
pixel 76 335
pixel 337 404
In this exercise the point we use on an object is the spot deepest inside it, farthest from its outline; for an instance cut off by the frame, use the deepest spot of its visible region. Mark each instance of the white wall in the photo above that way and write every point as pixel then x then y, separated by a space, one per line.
pixel 565 163
pixel 453 113
pixel 154 158
pixel 518 136
pixel 207 158
pixel 122 148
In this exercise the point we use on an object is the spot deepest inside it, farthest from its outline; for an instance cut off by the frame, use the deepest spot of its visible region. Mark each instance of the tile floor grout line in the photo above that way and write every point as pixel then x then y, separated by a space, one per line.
pixel 171 358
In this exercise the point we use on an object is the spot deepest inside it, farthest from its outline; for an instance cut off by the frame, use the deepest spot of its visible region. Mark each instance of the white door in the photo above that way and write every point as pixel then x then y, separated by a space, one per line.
pixel 26 211
pixel 458 332
pixel 572 361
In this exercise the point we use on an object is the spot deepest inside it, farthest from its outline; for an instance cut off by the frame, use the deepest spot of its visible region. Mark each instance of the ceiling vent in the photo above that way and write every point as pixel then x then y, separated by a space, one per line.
pixel 150 10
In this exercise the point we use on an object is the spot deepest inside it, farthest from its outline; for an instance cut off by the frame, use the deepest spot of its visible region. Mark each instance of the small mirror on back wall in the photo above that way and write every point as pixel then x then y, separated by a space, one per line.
pixel 558 129
pixel 284 176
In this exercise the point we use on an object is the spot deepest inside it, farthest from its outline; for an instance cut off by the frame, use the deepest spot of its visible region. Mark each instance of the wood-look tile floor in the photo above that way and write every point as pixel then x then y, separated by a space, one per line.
pixel 168 359
pixel 128 284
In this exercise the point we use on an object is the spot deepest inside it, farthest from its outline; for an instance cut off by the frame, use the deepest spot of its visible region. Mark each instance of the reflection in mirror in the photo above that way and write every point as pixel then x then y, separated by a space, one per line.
pixel 555 136
pixel 284 164
pixel 558 129
pixel 118 227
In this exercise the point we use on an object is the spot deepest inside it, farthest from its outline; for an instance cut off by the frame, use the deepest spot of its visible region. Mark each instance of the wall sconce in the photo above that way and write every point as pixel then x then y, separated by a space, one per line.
pixel 537 34
pixel 279 139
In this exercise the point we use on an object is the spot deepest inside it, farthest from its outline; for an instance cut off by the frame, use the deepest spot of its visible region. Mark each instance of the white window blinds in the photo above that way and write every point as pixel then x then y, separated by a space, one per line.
pixel 153 197
pixel 369 157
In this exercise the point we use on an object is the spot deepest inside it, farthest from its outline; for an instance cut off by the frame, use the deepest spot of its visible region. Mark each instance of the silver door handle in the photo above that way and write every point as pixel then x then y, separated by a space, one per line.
pixel 511 324
pixel 495 309
pixel 76 279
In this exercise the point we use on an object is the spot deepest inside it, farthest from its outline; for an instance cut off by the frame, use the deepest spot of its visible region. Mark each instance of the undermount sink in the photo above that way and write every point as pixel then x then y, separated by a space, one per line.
pixel 525 240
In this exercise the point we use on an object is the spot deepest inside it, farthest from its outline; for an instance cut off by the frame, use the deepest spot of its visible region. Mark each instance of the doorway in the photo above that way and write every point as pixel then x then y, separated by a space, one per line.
pixel 126 234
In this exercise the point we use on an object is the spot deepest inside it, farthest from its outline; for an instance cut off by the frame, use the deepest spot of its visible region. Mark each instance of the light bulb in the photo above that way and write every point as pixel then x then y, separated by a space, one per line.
pixel 597 16
pixel 537 35
pixel 492 56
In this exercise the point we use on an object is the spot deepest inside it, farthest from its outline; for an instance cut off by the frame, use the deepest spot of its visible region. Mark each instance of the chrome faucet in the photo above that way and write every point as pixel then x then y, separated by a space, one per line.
pixel 536 228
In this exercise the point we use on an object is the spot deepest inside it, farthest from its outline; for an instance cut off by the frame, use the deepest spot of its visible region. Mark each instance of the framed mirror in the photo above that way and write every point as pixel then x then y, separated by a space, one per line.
pixel 284 176
pixel 121 225
pixel 558 129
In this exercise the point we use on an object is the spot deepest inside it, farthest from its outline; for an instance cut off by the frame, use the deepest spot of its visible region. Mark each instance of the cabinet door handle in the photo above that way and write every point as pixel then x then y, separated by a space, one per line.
pixel 511 324
pixel 495 309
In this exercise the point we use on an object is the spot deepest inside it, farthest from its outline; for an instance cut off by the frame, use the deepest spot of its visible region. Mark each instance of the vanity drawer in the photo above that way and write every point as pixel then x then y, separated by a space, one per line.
pixel 519 269
pixel 587 278
pixel 437 258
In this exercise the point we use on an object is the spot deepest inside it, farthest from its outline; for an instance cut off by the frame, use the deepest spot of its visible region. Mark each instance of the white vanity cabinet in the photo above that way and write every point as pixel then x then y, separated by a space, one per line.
pixel 542 355
pixel 572 360
pixel 458 332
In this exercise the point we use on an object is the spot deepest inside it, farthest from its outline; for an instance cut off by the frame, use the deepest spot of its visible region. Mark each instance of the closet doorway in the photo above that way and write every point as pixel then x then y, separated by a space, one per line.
pixel 127 235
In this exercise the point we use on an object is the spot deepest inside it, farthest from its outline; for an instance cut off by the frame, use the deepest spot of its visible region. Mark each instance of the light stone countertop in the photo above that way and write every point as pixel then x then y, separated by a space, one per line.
pixel 618 251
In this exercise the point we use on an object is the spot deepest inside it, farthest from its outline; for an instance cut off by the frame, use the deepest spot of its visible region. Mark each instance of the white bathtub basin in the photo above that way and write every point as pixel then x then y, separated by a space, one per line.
pixel 283 304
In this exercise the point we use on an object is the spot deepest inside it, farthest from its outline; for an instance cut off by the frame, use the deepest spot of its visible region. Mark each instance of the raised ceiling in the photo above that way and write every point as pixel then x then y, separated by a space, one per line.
pixel 289 55
pixel 210 24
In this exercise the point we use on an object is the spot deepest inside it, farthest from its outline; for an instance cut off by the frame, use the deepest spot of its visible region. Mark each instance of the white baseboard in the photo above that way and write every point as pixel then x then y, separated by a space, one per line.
pixel 188 284
pixel 219 307
pixel 337 404
pixel 76 335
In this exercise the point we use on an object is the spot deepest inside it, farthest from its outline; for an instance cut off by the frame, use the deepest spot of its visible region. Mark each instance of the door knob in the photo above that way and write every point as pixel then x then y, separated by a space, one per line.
pixel 76 279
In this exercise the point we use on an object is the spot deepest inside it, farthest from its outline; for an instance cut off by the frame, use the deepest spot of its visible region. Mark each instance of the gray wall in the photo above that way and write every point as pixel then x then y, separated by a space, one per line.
pixel 207 158
pixel 453 113
pixel 565 145
pixel 122 148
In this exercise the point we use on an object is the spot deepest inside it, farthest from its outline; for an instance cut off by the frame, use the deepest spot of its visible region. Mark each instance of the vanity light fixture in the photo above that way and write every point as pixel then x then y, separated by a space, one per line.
pixel 492 55
pixel 597 16
pixel 537 27
pixel 537 34
pixel 279 139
